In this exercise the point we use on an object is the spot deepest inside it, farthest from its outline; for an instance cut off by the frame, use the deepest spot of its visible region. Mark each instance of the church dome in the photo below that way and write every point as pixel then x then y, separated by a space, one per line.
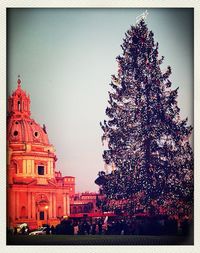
pixel 26 130
pixel 21 128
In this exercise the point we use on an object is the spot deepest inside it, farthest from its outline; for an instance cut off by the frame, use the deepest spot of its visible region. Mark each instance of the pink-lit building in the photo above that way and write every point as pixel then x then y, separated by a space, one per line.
pixel 37 193
pixel 84 203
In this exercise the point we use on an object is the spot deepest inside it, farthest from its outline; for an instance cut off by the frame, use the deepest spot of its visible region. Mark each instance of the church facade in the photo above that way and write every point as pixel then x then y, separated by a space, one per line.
pixel 36 192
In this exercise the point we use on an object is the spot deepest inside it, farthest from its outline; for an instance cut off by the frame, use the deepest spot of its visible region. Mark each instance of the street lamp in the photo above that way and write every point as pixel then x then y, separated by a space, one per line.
pixel 46 208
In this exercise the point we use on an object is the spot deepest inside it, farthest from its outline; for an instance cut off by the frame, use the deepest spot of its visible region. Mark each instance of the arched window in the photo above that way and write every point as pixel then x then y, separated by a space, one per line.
pixel 23 212
pixel 74 209
pixel 80 210
pixel 19 105
pixel 15 167
pixel 85 209
pixel 40 169
pixel 41 215
pixel 59 214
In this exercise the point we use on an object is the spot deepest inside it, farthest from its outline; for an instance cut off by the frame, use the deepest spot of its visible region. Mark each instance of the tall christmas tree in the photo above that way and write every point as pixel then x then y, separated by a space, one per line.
pixel 148 144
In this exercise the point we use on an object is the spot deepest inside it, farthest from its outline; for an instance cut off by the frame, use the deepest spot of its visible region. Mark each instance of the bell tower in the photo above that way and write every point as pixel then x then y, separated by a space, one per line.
pixel 19 103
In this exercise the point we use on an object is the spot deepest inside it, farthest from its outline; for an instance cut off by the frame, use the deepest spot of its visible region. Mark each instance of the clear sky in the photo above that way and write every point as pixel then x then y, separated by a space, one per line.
pixel 66 57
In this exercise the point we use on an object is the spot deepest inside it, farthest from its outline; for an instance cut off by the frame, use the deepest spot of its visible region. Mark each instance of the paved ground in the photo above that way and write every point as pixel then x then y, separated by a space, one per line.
pixel 97 240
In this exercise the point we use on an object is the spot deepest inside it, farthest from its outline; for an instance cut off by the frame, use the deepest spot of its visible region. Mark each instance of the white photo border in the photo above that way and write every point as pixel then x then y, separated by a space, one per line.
pixel 99 4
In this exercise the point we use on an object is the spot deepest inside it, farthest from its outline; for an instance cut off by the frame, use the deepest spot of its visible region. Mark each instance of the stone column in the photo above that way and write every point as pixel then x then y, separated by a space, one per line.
pixel 64 204
pixel 24 167
pixel 29 206
pixel 17 204
pixel 49 168
pixel 32 168
pixel 50 205
pixel 68 204
pixel 33 205
pixel 54 205
pixel 12 205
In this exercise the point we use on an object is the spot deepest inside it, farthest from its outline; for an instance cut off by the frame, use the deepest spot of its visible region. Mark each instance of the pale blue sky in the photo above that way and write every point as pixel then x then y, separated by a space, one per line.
pixel 66 57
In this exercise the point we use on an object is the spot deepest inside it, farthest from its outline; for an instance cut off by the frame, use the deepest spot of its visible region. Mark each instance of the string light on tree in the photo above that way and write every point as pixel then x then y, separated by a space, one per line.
pixel 148 142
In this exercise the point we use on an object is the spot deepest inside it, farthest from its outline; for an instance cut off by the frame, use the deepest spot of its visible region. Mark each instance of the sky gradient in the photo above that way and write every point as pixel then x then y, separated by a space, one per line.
pixel 66 57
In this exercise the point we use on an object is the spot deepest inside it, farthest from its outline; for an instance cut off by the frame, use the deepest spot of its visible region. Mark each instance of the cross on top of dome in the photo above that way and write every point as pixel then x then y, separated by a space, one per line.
pixel 18 82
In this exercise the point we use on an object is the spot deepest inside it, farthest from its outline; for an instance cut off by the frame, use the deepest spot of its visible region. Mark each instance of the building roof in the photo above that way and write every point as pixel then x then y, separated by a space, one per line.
pixel 21 128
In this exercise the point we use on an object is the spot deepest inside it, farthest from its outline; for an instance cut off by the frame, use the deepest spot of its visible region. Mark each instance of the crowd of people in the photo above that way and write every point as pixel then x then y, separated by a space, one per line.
pixel 118 226
pixel 122 226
